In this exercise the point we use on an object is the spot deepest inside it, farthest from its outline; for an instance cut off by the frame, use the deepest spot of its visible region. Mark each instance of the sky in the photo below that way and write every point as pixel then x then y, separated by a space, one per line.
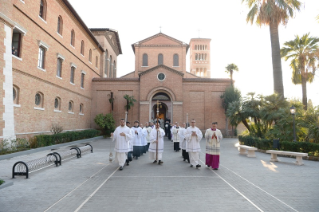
pixel 233 40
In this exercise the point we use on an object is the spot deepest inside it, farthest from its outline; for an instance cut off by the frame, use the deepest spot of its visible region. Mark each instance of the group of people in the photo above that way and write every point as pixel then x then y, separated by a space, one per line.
pixel 134 142
pixel 188 139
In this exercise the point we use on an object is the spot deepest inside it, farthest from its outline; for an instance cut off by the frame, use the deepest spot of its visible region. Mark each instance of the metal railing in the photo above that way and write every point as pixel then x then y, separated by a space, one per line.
pixel 21 168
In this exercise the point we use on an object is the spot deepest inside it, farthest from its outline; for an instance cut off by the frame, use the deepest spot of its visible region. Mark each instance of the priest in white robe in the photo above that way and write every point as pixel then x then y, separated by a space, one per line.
pixel 121 136
pixel 183 143
pixel 157 136
pixel 176 137
pixel 137 140
pixel 213 137
pixel 193 138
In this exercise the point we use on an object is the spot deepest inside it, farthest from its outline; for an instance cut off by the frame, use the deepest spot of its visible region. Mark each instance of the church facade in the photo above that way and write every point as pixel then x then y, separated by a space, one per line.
pixel 160 74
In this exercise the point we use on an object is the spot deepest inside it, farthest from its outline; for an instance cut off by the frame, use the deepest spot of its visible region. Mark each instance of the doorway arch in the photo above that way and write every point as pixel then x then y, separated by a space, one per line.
pixel 165 109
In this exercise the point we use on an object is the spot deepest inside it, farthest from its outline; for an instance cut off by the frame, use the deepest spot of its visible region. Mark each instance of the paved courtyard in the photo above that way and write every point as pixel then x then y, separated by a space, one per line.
pixel 91 183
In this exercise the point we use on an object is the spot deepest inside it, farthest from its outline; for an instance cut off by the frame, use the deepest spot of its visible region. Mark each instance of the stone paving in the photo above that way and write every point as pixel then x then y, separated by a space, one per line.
pixel 91 183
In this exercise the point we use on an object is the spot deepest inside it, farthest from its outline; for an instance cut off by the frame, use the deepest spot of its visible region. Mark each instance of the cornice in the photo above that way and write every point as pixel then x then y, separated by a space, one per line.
pixel 161 66
pixel 115 80
pixel 208 80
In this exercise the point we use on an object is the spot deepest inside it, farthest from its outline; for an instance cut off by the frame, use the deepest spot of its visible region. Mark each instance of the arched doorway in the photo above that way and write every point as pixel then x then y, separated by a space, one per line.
pixel 165 108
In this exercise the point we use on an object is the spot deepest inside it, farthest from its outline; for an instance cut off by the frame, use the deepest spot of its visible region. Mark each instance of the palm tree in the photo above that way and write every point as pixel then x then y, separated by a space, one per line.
pixel 303 54
pixel 230 70
pixel 272 13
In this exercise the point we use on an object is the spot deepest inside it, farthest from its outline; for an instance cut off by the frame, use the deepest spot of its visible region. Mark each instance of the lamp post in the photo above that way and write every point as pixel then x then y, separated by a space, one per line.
pixel 293 112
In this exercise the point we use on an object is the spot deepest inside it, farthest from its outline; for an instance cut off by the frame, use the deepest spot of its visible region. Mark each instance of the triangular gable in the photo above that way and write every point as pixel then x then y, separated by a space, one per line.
pixel 161 66
pixel 159 39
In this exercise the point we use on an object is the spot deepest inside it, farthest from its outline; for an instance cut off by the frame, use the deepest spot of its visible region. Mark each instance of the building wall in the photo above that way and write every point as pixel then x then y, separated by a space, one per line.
pixel 101 94
pixel 202 102
pixel 159 44
pixel 30 79
pixel 101 37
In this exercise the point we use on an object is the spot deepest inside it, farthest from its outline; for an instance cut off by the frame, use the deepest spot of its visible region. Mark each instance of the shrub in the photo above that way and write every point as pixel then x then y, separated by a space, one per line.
pixel 106 123
pixel 1 181
pixel 266 144
pixel 56 128
pixel 48 140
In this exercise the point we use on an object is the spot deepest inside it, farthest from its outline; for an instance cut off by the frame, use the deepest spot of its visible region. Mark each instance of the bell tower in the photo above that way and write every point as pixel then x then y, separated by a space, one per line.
pixel 200 57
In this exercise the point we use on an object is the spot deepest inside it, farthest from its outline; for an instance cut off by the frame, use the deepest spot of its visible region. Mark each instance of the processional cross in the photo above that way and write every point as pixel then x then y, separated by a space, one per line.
pixel 158 104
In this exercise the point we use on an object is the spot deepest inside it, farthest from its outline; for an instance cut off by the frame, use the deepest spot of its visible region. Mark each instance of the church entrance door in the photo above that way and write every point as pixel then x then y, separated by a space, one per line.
pixel 165 108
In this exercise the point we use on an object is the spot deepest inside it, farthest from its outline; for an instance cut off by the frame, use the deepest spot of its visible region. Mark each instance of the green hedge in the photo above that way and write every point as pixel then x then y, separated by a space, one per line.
pixel 48 140
pixel 266 144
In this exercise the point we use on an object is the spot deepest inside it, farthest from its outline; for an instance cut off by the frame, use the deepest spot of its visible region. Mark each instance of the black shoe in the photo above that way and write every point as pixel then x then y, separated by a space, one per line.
pixel 197 166
pixel 121 168
pixel 155 161
pixel 127 164
pixel 184 159
pixel 191 166
pixel 215 169
pixel 208 166
pixel 160 162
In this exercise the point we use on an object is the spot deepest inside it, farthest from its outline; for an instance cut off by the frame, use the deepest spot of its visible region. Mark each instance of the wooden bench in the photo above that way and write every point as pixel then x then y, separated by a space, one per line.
pixel 250 151
pixel 298 155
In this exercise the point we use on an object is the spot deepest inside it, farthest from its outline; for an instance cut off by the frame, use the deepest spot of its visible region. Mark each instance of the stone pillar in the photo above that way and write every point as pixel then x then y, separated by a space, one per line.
pixel 7 84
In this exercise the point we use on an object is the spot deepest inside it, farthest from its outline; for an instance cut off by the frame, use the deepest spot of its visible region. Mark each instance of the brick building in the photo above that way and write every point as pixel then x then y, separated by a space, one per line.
pixel 48 58
pixel 55 70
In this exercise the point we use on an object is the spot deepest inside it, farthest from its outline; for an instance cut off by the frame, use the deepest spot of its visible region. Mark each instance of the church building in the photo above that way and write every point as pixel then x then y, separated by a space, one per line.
pixel 160 74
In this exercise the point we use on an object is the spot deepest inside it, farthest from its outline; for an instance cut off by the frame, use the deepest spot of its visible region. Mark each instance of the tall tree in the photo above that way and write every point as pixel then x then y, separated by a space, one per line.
pixel 231 94
pixel 273 13
pixel 304 60
pixel 230 70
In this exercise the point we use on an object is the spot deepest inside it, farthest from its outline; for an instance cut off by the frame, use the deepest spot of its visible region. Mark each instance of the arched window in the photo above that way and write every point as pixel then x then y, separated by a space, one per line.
pixel 43 9
pixel 70 106
pixel 96 61
pixel 114 69
pixel 106 62
pixel 160 59
pixel 72 37
pixel 60 25
pixel 175 60
pixel 38 100
pixel 15 94
pixel 57 104
pixel 196 56
pixel 145 60
pixel 111 73
pixel 81 109
pixel 82 47
pixel 90 55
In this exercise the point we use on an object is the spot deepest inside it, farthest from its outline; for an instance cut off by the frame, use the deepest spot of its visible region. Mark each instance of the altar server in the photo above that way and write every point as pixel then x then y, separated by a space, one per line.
pixel 137 140
pixel 183 143
pixel 176 137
